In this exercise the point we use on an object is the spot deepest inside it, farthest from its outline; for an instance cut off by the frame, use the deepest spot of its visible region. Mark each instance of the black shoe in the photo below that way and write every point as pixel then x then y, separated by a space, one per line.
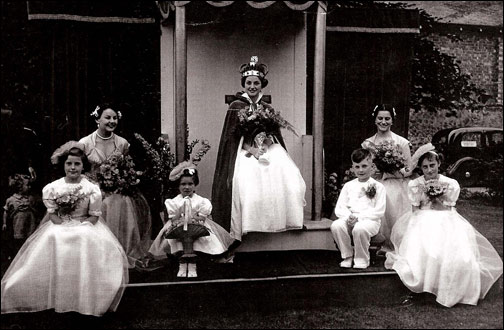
pixel 408 300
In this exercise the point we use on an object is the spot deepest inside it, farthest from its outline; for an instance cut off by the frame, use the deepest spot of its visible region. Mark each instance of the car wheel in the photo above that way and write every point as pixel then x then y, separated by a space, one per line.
pixel 468 174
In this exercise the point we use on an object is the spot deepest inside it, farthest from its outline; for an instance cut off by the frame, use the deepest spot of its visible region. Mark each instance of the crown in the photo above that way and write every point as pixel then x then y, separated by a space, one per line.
pixel 254 69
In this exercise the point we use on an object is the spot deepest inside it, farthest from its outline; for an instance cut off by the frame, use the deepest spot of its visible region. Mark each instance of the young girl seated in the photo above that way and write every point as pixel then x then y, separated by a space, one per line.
pixel 436 249
pixel 72 262
pixel 188 202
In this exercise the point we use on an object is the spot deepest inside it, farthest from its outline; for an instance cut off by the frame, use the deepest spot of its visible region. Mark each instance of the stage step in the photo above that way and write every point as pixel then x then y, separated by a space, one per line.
pixel 314 236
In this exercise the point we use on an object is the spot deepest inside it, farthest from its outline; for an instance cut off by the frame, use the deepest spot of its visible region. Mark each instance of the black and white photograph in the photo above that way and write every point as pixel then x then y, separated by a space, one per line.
pixel 251 164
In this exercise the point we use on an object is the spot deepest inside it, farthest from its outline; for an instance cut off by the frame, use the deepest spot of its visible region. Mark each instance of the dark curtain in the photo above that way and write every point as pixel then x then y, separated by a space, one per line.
pixel 55 72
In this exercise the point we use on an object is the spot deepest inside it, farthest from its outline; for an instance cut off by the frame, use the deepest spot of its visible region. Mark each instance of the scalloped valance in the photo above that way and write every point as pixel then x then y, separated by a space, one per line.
pixel 166 6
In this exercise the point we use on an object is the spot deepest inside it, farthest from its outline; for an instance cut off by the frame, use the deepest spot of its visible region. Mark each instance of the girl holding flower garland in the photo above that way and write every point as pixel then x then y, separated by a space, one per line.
pixel 72 262
pixel 392 159
pixel 436 249
pixel 125 209
pixel 257 187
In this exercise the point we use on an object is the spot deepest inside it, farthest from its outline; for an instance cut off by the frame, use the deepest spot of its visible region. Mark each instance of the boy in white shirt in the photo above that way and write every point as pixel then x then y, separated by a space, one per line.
pixel 360 207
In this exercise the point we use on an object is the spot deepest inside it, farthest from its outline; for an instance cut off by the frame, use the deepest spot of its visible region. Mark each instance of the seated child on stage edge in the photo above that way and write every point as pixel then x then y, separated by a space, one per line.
pixel 360 207
pixel 197 209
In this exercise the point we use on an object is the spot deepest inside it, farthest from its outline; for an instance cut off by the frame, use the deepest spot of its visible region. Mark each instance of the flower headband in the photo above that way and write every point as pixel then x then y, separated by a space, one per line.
pixel 422 150
pixel 178 170
pixel 97 115
pixel 64 149
pixel 376 107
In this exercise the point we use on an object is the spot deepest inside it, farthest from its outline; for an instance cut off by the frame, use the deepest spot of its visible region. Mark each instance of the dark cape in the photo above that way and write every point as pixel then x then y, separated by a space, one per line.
pixel 222 188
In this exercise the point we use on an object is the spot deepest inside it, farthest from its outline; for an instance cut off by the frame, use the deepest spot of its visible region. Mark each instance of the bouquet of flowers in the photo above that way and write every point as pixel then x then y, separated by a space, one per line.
pixel 370 191
pixel 388 157
pixel 117 174
pixel 262 122
pixel 67 201
pixel 434 189
pixel 262 119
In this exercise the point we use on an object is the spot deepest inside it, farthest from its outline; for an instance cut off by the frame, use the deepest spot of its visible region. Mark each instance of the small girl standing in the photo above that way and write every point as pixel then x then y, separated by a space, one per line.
pixel 200 208
pixel 19 213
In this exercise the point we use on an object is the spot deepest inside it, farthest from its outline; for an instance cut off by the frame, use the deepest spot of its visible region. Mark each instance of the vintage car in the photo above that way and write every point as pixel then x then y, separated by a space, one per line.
pixel 465 150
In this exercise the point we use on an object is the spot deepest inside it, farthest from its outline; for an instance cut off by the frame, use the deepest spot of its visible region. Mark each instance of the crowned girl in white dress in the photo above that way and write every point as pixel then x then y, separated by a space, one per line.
pixel 257 187
pixel 72 262
pixel 436 249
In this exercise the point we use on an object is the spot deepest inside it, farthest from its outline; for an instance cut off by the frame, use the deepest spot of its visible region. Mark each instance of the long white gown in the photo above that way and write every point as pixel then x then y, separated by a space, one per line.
pixel 440 252
pixel 266 198
pixel 216 243
pixel 71 266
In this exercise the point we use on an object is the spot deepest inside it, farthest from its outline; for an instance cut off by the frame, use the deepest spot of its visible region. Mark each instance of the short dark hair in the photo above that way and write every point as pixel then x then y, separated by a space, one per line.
pixel 264 81
pixel 78 153
pixel 384 107
pixel 428 155
pixel 358 155
pixel 186 173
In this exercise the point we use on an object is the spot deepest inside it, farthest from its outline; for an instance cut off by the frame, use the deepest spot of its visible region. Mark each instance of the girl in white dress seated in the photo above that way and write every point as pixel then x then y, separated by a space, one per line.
pixel 72 262
pixel 200 208
pixel 436 249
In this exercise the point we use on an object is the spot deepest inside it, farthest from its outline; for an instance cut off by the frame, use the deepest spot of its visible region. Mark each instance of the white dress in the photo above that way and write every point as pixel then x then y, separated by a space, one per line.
pixel 266 198
pixel 216 243
pixel 396 187
pixel 71 266
pixel 440 252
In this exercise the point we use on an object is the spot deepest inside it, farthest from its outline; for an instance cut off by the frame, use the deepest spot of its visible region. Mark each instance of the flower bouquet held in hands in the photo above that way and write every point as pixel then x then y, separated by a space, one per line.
pixel 186 228
pixel 67 201
pixel 434 191
pixel 118 175
pixel 388 157
pixel 262 123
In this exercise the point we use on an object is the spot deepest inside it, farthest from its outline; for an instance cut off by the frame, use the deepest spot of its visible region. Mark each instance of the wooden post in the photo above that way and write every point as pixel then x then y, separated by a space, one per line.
pixel 318 113
pixel 180 82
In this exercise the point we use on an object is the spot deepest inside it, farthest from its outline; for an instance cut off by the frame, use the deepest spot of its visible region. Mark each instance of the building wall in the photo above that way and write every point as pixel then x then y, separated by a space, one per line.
pixel 214 57
pixel 480 56
pixel 478 52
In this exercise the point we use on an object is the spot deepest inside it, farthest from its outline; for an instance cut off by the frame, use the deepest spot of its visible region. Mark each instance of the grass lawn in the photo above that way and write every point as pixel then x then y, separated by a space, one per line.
pixel 312 304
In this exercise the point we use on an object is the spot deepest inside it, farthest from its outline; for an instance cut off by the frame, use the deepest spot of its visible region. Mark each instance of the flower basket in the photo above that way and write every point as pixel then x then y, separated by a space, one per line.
pixel 187 236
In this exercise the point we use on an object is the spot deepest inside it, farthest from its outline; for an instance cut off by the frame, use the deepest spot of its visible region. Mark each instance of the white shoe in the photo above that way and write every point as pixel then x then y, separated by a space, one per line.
pixel 182 271
pixel 346 263
pixel 361 265
pixel 191 270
